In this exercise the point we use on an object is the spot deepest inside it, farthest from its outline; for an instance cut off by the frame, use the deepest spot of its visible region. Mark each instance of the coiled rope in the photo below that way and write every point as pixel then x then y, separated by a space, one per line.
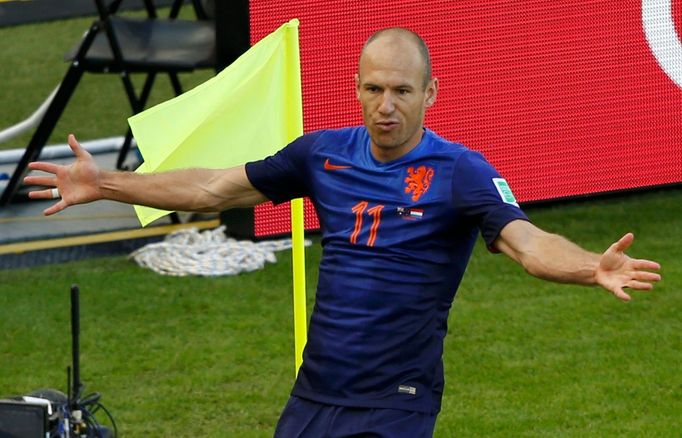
pixel 209 253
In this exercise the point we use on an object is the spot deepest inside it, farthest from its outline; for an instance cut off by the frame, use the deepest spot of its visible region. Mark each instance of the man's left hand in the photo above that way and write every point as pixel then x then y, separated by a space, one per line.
pixel 617 270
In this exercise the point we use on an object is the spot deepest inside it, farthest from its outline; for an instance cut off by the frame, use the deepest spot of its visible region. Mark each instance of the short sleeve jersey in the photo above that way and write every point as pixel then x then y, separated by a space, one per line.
pixel 396 240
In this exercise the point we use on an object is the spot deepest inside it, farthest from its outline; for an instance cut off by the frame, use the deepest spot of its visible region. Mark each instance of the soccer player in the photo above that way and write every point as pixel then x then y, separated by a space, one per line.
pixel 400 209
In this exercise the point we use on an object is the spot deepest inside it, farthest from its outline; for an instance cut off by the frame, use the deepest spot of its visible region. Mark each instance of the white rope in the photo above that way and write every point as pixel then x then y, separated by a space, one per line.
pixel 210 253
pixel 29 122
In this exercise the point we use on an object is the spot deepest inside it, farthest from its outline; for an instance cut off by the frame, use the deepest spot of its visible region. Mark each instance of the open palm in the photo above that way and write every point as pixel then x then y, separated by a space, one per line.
pixel 77 182
pixel 617 270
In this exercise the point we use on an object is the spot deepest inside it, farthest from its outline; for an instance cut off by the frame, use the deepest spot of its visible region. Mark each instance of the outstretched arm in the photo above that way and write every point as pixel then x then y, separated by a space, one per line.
pixel 186 190
pixel 552 257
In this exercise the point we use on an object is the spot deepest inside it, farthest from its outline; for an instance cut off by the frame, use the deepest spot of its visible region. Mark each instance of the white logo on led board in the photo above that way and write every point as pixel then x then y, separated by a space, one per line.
pixel 659 28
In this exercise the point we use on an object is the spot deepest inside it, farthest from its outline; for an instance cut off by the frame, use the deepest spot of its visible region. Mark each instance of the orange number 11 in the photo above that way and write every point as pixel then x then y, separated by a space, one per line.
pixel 375 212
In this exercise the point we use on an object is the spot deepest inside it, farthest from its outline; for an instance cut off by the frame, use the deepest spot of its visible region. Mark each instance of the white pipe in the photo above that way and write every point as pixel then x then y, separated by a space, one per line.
pixel 99 146
pixel 30 122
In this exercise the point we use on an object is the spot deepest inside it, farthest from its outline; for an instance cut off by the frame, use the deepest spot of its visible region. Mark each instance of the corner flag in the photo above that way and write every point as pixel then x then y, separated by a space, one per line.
pixel 250 110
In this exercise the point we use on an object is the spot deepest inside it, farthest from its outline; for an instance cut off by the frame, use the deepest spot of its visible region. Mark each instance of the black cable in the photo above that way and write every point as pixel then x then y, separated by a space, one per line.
pixel 90 399
pixel 89 406
pixel 92 423
pixel 111 418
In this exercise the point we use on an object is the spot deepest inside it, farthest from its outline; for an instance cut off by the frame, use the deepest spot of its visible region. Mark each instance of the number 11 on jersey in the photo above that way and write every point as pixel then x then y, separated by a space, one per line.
pixel 375 213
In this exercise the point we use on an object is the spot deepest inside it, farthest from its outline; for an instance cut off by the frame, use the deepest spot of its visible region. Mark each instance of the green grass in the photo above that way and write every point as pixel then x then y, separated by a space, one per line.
pixel 172 356
pixel 531 358
pixel 214 357
pixel 32 64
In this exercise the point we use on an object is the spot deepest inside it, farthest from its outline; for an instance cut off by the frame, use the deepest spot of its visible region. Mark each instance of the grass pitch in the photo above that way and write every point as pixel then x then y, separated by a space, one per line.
pixel 189 357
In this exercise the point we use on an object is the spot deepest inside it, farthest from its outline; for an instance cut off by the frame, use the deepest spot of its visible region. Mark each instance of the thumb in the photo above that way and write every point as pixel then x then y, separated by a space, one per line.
pixel 77 149
pixel 624 242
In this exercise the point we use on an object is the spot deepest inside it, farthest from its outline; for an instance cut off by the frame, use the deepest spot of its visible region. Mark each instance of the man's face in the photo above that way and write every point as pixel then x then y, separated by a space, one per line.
pixel 390 87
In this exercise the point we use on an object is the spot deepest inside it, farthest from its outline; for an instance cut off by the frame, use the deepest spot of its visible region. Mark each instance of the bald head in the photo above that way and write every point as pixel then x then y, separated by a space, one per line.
pixel 399 35
pixel 394 87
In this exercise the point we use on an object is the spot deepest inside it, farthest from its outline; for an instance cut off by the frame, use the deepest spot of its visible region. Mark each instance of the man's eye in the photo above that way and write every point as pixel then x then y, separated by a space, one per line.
pixel 403 92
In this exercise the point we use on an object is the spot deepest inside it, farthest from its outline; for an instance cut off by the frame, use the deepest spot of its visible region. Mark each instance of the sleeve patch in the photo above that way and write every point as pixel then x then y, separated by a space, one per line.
pixel 505 191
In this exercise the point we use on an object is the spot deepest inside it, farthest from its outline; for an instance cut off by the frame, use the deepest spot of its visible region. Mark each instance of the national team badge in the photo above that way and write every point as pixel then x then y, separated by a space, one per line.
pixel 418 181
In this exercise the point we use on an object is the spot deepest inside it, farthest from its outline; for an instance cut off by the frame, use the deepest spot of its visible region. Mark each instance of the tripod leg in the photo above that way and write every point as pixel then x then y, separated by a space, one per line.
pixel 137 106
pixel 42 133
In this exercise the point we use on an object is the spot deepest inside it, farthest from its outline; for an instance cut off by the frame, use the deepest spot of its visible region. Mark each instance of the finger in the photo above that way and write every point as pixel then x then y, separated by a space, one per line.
pixel 45 167
pixel 40 181
pixel 55 208
pixel 621 295
pixel 646 276
pixel 41 194
pixel 624 242
pixel 645 264
pixel 639 285
pixel 78 151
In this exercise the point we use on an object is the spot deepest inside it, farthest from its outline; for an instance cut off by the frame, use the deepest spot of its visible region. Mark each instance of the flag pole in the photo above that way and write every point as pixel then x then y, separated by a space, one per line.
pixel 298 256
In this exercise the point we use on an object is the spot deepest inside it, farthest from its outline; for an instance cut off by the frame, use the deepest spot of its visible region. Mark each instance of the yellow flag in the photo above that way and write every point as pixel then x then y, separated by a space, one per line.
pixel 248 111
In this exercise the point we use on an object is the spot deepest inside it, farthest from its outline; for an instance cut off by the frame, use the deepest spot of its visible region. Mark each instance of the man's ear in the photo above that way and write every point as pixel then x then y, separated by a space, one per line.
pixel 357 85
pixel 431 92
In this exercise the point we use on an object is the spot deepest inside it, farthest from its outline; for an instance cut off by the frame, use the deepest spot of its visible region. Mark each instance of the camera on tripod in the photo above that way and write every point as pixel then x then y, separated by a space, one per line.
pixel 48 413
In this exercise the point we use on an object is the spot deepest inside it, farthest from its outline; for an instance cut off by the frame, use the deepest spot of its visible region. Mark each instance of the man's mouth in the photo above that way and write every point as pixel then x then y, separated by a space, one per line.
pixel 387 125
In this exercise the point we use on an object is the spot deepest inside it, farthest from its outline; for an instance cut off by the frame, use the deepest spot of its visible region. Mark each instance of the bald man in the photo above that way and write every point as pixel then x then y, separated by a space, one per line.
pixel 400 209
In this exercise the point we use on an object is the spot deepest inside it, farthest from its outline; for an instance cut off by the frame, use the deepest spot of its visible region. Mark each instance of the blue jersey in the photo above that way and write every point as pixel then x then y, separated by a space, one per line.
pixel 396 240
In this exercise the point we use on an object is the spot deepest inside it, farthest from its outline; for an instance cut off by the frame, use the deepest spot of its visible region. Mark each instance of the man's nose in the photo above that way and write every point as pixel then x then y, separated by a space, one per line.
pixel 386 106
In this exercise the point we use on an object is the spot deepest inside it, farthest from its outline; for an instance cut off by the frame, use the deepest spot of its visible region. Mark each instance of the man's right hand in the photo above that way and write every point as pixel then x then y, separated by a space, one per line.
pixel 78 182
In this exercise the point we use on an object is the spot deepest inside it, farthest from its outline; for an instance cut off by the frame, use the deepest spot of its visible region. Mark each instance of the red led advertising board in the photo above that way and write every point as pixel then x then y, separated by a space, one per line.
pixel 564 98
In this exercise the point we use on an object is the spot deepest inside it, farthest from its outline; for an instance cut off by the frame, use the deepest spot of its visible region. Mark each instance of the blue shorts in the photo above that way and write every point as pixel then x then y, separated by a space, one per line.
pixel 308 419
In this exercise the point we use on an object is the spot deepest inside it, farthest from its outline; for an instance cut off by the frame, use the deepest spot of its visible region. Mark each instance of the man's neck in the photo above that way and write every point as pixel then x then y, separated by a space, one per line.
pixel 386 154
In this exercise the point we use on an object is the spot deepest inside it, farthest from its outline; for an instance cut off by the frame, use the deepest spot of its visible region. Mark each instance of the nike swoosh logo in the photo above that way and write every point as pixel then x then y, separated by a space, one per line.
pixel 330 166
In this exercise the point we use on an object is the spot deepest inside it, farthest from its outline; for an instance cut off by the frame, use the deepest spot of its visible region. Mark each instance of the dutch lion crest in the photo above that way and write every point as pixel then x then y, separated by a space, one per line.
pixel 418 181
